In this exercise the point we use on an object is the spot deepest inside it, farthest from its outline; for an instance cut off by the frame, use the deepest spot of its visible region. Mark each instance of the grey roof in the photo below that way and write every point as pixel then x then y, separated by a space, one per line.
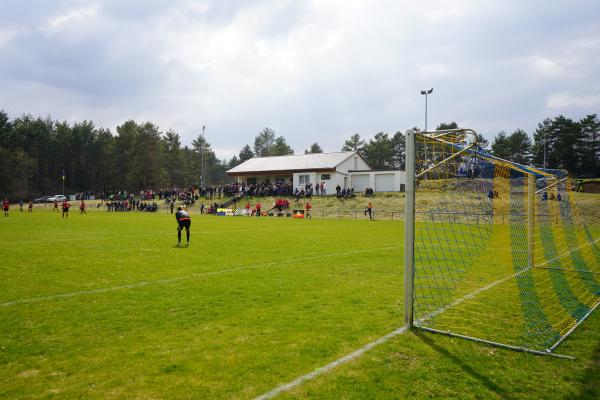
pixel 302 162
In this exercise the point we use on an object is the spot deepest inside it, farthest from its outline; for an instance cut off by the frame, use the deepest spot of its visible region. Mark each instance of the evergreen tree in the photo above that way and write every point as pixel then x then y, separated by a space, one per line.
pixel 173 159
pixel 398 143
pixel 564 144
pixel 281 148
pixel 515 147
pixel 355 143
pixel 264 142
pixel 447 125
pixel 590 145
pixel 379 152
pixel 314 148
pixel 245 154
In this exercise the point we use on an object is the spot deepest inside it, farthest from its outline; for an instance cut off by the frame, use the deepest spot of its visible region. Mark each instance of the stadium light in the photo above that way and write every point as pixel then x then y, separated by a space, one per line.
pixel 425 93
pixel 203 175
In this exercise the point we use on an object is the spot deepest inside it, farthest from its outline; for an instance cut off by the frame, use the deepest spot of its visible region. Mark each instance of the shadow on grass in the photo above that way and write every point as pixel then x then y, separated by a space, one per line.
pixel 590 388
pixel 457 360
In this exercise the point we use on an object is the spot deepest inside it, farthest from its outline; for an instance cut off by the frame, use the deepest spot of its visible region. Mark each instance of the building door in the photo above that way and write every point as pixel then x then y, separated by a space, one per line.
pixel 384 182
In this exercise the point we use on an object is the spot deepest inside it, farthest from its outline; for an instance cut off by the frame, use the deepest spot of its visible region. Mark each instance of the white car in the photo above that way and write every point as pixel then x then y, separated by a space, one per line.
pixel 56 197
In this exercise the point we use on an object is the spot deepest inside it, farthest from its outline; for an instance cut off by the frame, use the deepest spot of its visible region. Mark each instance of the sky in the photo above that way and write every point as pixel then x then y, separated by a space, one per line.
pixel 314 71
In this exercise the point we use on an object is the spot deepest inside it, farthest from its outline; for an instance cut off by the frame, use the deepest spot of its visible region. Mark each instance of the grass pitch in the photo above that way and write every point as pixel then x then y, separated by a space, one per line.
pixel 105 306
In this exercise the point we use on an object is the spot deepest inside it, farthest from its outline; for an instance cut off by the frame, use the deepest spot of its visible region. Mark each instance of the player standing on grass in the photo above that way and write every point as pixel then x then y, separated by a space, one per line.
pixel 369 210
pixel 82 208
pixel 55 206
pixel 30 207
pixel 65 209
pixel 5 207
pixel 183 221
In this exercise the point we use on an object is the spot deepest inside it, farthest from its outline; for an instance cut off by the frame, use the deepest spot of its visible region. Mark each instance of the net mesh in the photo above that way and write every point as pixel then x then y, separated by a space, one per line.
pixel 481 269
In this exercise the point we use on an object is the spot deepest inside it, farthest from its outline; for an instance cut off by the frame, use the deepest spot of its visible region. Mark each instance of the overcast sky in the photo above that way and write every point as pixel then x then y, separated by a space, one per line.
pixel 311 70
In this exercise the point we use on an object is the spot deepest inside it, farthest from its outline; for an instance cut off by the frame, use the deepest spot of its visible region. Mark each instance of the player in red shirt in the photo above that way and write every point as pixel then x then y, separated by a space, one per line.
pixel 308 207
pixel 30 207
pixel 82 208
pixel 55 206
pixel 257 209
pixel 65 209
pixel 5 207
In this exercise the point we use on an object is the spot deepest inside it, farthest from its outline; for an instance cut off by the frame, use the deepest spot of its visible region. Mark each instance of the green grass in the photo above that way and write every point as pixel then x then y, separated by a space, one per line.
pixel 104 306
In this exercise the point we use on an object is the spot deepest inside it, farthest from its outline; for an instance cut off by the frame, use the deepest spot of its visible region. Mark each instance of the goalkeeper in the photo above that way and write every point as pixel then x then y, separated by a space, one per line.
pixel 183 221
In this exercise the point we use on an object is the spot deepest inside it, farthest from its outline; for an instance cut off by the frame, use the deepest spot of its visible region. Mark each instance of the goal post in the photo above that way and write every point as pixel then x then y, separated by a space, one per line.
pixel 409 231
pixel 495 251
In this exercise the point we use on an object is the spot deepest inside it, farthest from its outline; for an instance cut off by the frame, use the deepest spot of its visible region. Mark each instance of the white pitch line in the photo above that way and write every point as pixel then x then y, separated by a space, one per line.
pixel 349 357
pixel 328 367
pixel 184 277
pixel 100 237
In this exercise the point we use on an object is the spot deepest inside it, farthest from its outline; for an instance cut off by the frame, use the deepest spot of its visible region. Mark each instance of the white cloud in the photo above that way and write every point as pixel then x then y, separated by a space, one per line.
pixel 433 70
pixel 312 70
pixel 74 16
pixel 545 66
pixel 563 100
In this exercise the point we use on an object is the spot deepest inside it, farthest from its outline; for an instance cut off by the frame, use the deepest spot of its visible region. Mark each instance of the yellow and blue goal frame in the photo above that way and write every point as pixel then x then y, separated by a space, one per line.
pixel 495 251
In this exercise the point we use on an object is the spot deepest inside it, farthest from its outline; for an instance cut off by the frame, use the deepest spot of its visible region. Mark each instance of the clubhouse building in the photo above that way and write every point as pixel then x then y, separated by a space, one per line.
pixel 348 169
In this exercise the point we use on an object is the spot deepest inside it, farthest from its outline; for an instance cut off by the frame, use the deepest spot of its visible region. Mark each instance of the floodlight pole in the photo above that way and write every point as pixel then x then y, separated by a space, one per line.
pixel 409 230
pixel 530 219
pixel 426 93
pixel 202 176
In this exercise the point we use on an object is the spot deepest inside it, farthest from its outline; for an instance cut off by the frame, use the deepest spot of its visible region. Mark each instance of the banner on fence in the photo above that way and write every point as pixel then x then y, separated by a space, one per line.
pixel 298 213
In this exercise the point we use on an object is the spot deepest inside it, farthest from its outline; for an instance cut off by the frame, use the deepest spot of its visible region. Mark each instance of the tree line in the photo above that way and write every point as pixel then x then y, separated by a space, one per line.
pixel 35 152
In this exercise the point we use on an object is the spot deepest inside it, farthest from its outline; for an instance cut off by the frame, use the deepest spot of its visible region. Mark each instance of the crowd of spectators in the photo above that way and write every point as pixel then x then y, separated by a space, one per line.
pixel 343 193
pixel 146 200
pixel 135 205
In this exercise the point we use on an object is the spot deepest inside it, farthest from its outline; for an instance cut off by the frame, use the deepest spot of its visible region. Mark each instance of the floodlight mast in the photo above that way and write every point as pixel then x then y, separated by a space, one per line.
pixel 426 93
pixel 202 175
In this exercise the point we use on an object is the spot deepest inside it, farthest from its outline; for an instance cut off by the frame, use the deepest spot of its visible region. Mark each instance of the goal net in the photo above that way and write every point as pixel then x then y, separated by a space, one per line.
pixel 498 252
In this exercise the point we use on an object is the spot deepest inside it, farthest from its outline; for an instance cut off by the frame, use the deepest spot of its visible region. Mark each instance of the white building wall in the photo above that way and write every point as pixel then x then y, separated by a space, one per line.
pixel 360 180
pixel 329 183
pixel 355 162
pixel 312 178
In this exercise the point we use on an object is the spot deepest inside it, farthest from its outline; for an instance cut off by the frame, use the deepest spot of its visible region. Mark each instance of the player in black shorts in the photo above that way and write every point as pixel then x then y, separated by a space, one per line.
pixel 183 221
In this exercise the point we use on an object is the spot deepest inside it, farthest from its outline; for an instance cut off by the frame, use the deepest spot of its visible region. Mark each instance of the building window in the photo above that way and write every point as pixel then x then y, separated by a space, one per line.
pixel 303 179
pixel 325 177
pixel 251 181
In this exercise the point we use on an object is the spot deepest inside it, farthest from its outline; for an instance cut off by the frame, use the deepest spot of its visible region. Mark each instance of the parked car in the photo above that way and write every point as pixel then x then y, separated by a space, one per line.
pixel 57 197
pixel 43 199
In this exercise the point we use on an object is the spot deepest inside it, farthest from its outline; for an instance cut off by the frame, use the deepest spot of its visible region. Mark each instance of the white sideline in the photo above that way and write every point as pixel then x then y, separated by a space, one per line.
pixel 184 277
pixel 349 357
